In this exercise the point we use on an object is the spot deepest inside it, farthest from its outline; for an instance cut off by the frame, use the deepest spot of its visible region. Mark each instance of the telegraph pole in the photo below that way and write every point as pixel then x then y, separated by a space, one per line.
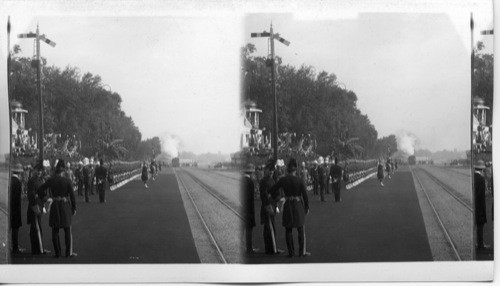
pixel 39 37
pixel 272 36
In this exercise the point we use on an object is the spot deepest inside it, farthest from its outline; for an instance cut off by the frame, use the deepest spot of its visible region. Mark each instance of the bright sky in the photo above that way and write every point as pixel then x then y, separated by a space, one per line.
pixel 178 72
pixel 410 71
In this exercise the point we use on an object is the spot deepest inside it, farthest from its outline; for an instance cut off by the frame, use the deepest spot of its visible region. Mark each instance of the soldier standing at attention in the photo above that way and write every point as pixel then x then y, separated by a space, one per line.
pixel 480 203
pixel 101 174
pixel 268 209
pixel 248 189
pixel 79 178
pixel 16 190
pixel 327 172
pixel 295 209
pixel 62 209
pixel 314 176
pixel 336 174
pixel 321 178
pixel 86 178
pixel 35 211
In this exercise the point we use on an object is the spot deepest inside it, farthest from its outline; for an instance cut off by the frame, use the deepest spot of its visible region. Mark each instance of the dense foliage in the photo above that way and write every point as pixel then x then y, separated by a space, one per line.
pixel 312 103
pixel 78 105
pixel 483 79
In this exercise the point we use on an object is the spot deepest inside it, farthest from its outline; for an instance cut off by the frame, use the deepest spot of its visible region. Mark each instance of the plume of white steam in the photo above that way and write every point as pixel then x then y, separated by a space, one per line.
pixel 406 142
pixel 170 144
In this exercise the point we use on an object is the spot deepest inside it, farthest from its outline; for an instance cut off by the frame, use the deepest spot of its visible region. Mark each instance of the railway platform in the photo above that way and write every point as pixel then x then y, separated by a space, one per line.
pixel 371 224
pixel 135 225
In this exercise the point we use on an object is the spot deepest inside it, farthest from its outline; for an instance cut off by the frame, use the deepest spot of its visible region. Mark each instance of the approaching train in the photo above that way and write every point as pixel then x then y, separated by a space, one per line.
pixel 175 162
pixel 412 160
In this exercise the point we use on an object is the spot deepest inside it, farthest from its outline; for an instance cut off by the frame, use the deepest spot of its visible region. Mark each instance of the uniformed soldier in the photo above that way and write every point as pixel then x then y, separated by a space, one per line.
pixel 315 179
pixel 268 209
pixel 248 189
pixel 101 174
pixel 79 178
pixel 62 209
pixel 336 174
pixel 321 178
pixel 87 178
pixel 327 172
pixel 35 211
pixel 92 176
pixel 16 190
pixel 295 208
pixel 480 203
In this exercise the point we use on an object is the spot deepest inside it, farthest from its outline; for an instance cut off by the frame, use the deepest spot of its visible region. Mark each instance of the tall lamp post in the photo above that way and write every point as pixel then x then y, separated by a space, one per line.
pixel 37 62
pixel 273 36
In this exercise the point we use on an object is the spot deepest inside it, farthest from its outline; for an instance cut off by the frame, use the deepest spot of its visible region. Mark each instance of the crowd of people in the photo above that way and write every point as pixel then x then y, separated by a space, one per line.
pixel 285 190
pixel 149 171
pixel 52 189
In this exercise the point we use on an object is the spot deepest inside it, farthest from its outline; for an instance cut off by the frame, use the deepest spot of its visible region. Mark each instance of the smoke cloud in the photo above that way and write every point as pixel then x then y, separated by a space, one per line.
pixel 407 142
pixel 170 144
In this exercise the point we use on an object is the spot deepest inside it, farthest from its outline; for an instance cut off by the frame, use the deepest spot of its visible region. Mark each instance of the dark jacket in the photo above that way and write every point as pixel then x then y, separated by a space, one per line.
pixel 63 205
pixel 15 202
pixel 336 174
pixel 321 175
pixel 101 173
pixel 265 197
pixel 297 202
pixel 480 198
pixel 33 201
pixel 248 189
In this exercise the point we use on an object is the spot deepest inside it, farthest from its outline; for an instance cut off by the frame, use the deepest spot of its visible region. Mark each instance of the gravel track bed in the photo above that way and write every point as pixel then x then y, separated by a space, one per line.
pixel 223 223
pixel 455 217
pixel 228 188
pixel 458 182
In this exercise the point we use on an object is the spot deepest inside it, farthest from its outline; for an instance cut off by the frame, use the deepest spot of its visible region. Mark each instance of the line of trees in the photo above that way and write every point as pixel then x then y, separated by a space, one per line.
pixel 81 106
pixel 483 79
pixel 313 103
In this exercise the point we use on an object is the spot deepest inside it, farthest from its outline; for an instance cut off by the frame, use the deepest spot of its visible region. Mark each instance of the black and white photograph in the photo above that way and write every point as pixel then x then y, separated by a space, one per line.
pixel 372 163
pixel 245 140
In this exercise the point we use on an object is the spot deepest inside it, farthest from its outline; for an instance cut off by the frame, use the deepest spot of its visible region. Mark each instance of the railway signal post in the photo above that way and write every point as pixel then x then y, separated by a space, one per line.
pixel 273 36
pixel 37 38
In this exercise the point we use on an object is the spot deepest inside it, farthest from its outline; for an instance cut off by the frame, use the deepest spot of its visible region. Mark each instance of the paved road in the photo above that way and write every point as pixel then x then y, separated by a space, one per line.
pixel 136 225
pixel 371 224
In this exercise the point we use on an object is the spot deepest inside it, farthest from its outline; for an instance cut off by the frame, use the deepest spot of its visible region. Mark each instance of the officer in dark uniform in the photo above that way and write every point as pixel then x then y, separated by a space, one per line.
pixel 315 179
pixel 480 203
pixel 101 174
pixel 268 209
pixel 35 211
pixel 15 206
pixel 86 179
pixel 336 174
pixel 79 178
pixel 321 178
pixel 295 209
pixel 327 172
pixel 248 189
pixel 62 209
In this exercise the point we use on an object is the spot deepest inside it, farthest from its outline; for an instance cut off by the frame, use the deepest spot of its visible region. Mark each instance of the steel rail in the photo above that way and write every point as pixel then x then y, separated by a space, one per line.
pixel 211 191
pixel 447 189
pixel 209 232
pixel 445 231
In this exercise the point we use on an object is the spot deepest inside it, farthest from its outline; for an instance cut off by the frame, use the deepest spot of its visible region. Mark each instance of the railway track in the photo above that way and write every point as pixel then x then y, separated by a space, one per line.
pixel 220 174
pixel 443 220
pixel 456 195
pixel 224 203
